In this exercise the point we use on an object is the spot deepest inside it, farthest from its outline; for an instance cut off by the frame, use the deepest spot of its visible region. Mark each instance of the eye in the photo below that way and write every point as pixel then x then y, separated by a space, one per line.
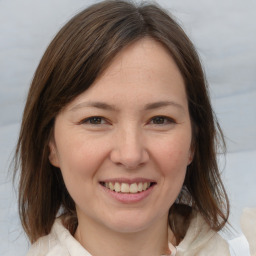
pixel 162 120
pixel 94 120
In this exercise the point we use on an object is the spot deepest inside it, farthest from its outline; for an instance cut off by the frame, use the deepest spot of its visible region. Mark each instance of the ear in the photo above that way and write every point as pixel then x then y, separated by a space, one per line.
pixel 191 155
pixel 53 156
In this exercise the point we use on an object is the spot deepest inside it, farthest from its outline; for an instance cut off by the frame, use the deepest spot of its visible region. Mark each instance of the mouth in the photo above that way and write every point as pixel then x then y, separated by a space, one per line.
pixel 126 188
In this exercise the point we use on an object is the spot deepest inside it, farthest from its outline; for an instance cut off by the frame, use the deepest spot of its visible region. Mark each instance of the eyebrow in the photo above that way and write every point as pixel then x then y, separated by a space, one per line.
pixel 95 104
pixel 106 106
pixel 161 104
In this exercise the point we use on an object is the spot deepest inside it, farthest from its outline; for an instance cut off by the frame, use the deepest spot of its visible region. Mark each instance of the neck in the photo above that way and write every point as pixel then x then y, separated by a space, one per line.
pixel 98 239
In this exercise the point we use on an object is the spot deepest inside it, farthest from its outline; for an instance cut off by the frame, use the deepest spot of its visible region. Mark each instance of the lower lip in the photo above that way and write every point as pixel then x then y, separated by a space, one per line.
pixel 129 197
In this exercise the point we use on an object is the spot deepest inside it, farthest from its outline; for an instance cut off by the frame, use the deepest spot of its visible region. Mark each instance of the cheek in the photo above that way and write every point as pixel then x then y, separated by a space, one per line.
pixel 79 163
pixel 173 155
pixel 171 158
pixel 79 159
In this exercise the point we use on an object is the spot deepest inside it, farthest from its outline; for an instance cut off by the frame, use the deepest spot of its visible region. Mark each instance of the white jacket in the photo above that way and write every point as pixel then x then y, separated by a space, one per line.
pixel 200 240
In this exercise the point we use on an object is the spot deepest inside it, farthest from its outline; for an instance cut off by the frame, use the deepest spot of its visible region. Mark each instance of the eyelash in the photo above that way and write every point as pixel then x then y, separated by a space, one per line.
pixel 159 120
pixel 92 119
pixel 165 120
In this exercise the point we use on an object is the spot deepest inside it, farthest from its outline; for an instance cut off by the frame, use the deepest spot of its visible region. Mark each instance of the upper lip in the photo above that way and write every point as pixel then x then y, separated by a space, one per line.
pixel 128 180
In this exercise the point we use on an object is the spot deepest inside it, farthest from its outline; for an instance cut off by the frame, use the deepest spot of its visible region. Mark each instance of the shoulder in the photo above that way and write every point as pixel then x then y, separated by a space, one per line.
pixel 201 240
pixel 58 242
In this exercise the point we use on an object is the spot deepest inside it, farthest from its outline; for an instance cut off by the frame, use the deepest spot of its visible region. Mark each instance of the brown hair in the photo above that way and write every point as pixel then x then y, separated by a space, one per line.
pixel 78 54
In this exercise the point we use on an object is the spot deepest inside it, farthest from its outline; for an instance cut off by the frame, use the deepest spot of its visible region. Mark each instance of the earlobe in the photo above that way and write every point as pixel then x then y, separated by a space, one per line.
pixel 53 157
pixel 190 159
pixel 191 156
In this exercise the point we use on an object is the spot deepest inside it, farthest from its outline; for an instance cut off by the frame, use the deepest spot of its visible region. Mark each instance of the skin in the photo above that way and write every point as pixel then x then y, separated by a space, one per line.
pixel 129 140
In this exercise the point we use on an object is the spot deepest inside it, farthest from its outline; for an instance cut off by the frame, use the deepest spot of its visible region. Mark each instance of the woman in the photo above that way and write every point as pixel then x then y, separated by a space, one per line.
pixel 118 143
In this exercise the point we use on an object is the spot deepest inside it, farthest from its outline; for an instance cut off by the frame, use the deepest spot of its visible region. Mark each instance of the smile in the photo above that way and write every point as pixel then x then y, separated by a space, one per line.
pixel 126 188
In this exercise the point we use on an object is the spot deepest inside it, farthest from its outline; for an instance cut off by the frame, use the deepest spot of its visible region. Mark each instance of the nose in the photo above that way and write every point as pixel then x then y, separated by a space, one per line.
pixel 129 149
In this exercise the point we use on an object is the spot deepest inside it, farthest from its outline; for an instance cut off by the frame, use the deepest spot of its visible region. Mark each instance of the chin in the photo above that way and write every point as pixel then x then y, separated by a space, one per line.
pixel 131 223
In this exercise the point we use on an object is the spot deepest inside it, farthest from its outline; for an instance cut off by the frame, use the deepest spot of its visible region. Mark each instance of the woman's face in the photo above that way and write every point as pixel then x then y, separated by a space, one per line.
pixel 123 145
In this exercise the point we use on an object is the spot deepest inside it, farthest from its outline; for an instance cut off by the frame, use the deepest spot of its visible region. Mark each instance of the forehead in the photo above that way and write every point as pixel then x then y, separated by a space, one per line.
pixel 143 70
pixel 144 55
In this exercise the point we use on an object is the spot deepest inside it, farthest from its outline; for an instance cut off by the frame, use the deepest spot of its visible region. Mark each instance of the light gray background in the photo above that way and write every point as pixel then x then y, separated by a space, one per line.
pixel 224 32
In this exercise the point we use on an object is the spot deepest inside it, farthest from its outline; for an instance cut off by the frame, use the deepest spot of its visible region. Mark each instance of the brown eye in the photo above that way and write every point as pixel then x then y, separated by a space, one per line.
pixel 161 120
pixel 95 120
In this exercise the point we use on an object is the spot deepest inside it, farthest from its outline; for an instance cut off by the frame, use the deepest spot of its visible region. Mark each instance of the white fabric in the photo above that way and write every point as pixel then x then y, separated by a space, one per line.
pixel 239 246
pixel 200 240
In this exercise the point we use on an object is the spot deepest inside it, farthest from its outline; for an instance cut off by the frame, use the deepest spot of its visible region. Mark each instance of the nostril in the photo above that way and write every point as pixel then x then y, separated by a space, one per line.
pixel 129 151
pixel 129 162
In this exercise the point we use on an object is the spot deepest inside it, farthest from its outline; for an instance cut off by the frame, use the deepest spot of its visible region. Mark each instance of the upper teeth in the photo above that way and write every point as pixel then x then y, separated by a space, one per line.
pixel 126 188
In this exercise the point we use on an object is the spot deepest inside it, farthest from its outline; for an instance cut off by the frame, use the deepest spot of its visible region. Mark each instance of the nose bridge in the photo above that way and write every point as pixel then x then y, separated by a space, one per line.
pixel 129 147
